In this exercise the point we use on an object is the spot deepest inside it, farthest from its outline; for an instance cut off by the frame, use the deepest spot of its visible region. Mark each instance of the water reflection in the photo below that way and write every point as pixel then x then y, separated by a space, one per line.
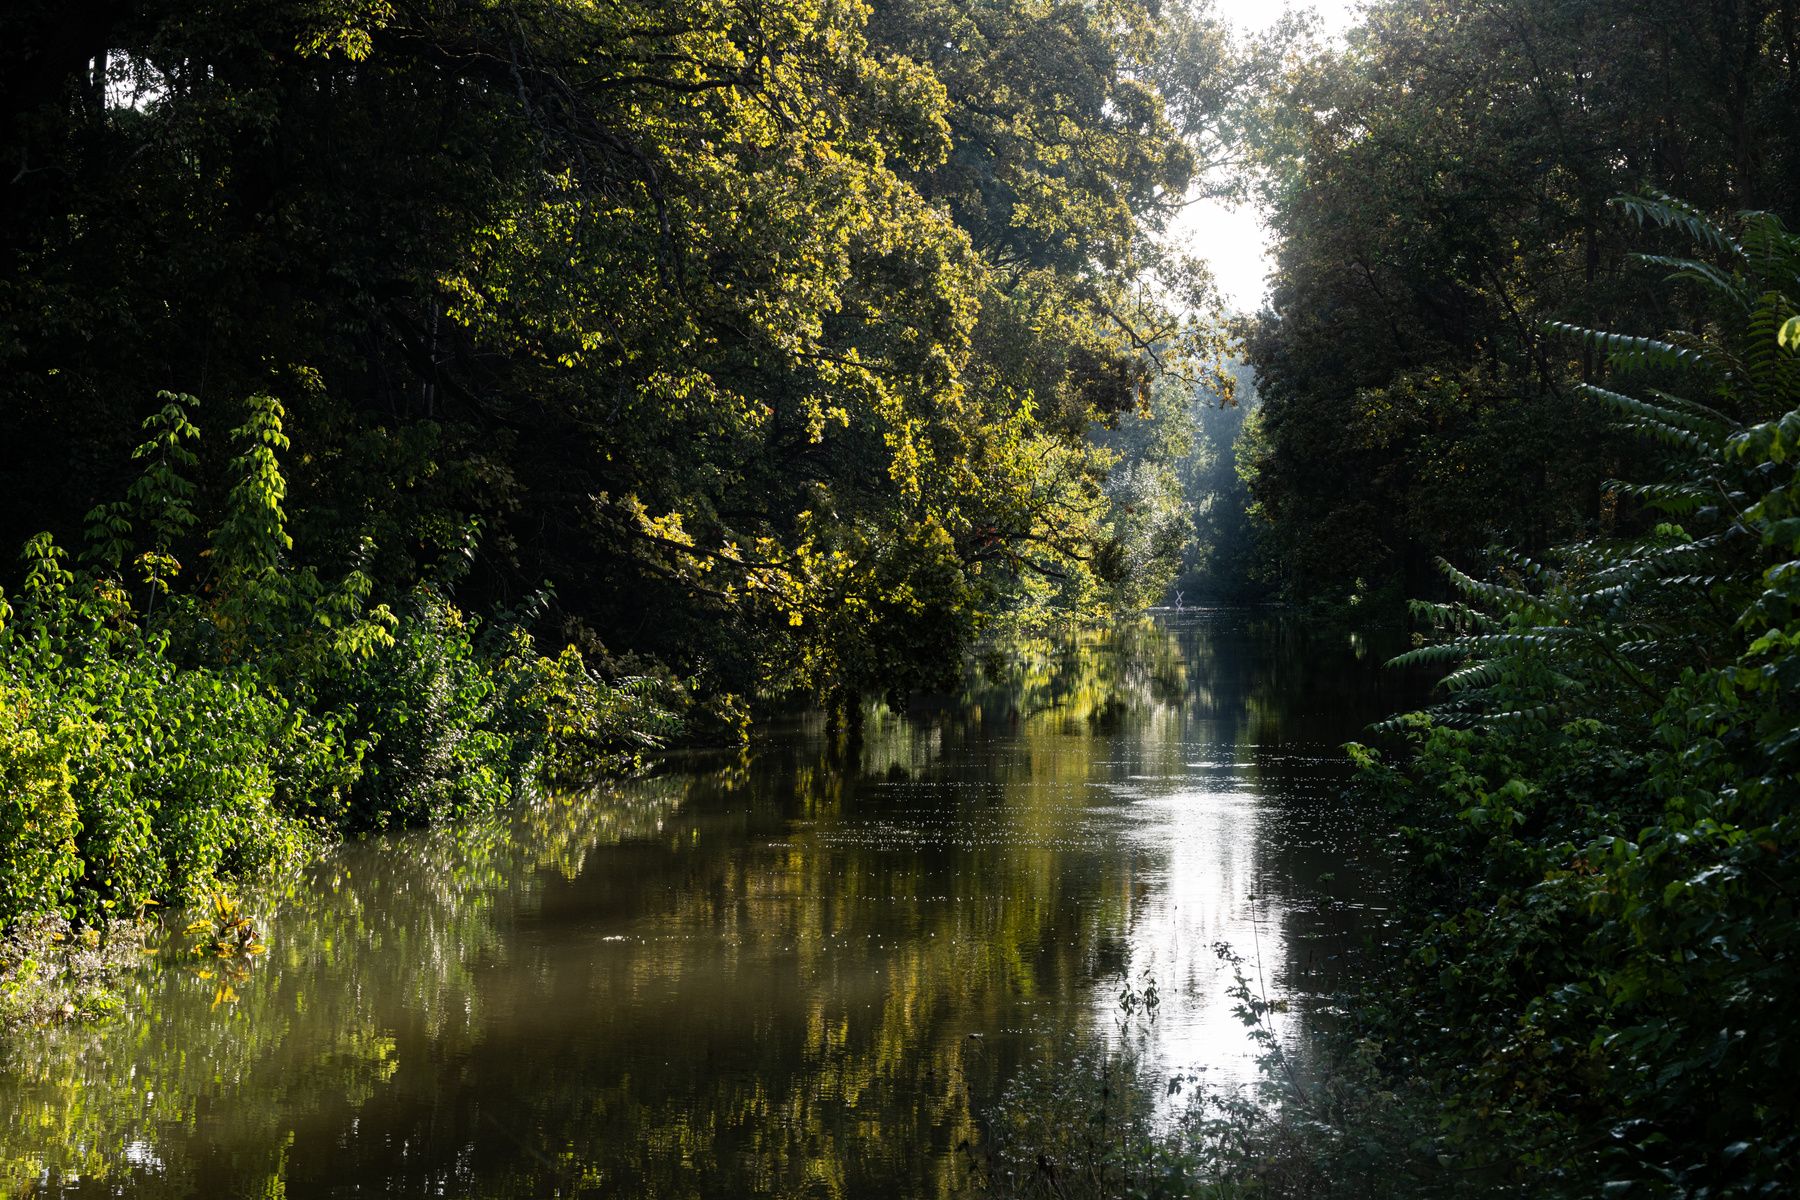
pixel 798 973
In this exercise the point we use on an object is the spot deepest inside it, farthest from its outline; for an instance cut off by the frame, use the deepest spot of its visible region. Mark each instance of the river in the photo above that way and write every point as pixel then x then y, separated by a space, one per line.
pixel 798 971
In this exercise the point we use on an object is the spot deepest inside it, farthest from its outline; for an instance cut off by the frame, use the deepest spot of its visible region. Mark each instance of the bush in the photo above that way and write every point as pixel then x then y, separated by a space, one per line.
pixel 456 727
pixel 1081 1127
pixel 39 821
pixel 149 756
pixel 131 779
pixel 443 743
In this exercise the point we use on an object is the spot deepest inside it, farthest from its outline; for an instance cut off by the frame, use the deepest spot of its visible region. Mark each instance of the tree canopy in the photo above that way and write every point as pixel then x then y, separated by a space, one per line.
pixel 1441 187
pixel 768 335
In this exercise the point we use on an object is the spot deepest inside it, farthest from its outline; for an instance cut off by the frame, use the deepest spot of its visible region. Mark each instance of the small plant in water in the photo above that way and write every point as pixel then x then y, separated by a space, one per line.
pixel 228 941
pixel 226 931
pixel 1133 1001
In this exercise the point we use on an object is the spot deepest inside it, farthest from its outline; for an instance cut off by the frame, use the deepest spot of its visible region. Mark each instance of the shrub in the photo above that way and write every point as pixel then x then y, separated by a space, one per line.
pixel 38 820
pixel 148 756
pixel 1599 978
pixel 442 743
pixel 129 778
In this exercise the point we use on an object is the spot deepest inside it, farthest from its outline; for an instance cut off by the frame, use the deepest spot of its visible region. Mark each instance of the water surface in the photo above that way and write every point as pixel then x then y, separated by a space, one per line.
pixel 800 971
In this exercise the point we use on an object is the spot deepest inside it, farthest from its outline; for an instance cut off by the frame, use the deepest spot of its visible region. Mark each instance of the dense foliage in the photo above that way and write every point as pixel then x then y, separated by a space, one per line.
pixel 151 752
pixel 727 351
pixel 1599 982
pixel 1222 561
pixel 770 335
pixel 1588 984
pixel 1440 187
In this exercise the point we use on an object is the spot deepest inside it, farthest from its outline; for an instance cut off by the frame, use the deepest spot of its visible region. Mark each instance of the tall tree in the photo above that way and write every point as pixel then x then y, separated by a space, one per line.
pixel 1443 192
pixel 759 331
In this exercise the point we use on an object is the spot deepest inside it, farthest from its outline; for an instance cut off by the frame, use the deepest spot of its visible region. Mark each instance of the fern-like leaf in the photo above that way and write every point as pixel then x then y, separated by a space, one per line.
pixel 1701 272
pixel 1665 210
pixel 1667 424
pixel 1629 353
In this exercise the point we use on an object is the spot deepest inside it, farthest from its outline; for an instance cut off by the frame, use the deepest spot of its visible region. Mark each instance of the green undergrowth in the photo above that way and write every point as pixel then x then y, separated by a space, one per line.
pixel 157 745
pixel 1596 986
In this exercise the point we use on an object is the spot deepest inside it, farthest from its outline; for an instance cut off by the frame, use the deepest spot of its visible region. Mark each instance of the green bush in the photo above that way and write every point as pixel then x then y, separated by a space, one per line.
pixel 1599 982
pixel 443 741
pixel 39 821
pixel 130 778
pixel 148 756
pixel 457 723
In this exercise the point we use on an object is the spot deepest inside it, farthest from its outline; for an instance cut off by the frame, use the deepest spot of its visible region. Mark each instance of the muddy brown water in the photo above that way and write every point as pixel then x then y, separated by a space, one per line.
pixel 800 971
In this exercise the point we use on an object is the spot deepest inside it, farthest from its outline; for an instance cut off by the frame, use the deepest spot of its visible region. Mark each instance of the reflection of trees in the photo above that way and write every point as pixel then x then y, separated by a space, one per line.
pixel 817 1041
pixel 808 940
pixel 371 928
pixel 1265 700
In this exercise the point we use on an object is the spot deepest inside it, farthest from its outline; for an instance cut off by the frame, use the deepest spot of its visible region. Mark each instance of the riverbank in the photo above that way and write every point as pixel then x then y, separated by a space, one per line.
pixel 156 753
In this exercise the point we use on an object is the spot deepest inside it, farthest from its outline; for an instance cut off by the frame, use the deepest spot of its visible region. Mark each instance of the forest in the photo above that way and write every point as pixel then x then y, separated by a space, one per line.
pixel 471 392
pixel 406 408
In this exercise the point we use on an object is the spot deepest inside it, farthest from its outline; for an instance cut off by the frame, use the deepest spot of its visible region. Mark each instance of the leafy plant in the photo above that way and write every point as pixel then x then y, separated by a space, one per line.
pixel 151 755
pixel 1601 815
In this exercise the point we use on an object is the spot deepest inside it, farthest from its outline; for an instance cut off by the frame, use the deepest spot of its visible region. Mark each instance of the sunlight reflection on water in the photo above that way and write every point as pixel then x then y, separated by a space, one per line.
pixel 805 969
